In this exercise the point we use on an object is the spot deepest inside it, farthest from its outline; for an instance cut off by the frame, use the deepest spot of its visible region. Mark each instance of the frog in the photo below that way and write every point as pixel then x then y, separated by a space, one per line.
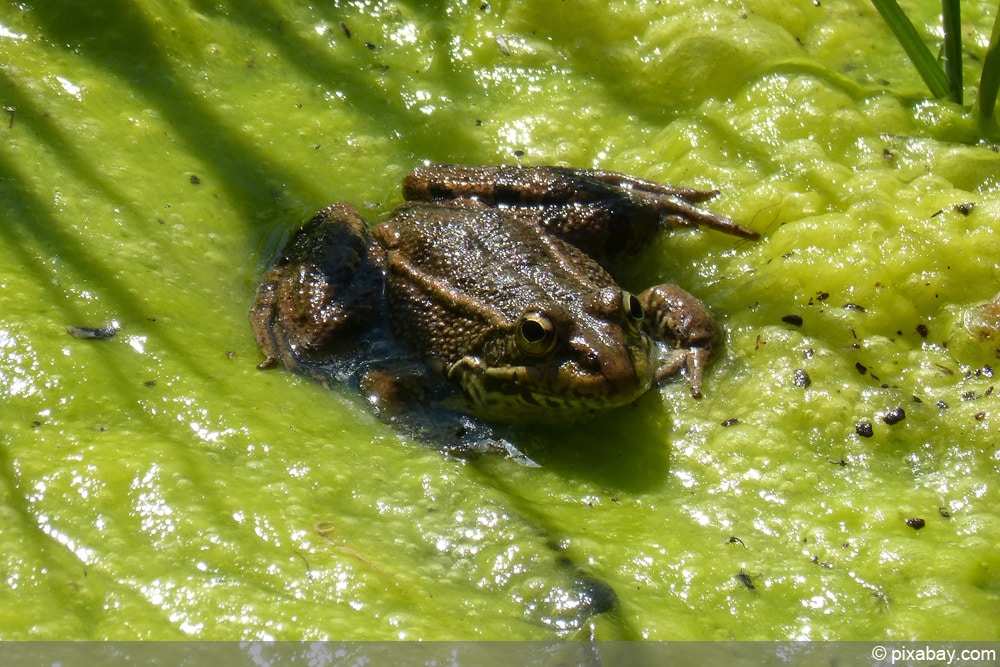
pixel 489 294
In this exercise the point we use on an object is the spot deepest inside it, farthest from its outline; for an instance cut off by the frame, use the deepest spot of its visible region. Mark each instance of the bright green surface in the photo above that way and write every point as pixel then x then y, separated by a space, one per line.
pixel 158 486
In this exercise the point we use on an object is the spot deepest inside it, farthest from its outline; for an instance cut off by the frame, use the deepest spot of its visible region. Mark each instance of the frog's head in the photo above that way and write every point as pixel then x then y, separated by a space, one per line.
pixel 560 362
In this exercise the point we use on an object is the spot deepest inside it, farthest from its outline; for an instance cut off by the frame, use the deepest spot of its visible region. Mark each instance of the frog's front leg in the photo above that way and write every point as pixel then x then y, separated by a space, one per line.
pixel 324 289
pixel 685 324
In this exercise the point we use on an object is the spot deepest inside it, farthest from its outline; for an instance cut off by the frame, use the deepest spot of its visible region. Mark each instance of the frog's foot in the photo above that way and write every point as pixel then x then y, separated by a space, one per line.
pixel 685 323
pixel 324 288
pixel 391 391
pixel 262 319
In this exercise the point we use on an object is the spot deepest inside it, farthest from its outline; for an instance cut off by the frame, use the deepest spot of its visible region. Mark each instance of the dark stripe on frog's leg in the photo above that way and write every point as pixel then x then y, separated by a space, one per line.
pixel 683 322
pixel 321 293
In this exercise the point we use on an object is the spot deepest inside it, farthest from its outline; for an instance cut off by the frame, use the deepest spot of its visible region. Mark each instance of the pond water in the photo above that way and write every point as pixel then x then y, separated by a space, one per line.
pixel 839 480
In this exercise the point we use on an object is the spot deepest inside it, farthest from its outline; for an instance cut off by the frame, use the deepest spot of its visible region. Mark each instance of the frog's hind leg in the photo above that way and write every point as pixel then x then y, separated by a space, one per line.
pixel 323 290
pixel 587 195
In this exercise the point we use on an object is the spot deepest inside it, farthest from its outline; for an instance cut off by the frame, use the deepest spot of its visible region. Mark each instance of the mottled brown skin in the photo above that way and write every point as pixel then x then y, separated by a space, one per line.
pixel 488 292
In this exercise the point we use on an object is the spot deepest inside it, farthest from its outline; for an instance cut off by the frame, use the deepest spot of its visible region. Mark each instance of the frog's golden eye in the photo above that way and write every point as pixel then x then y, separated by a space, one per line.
pixel 536 334
pixel 634 313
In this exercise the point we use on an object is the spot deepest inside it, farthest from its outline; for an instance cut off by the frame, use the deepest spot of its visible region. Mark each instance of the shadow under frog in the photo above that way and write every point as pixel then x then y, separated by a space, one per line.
pixel 487 300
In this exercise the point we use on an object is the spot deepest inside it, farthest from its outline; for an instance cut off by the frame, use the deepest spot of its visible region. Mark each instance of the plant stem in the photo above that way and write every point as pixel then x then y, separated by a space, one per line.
pixel 989 82
pixel 906 34
pixel 951 15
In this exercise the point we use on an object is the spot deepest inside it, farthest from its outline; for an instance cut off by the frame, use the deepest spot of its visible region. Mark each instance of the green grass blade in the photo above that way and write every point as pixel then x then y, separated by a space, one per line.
pixel 907 36
pixel 989 83
pixel 951 14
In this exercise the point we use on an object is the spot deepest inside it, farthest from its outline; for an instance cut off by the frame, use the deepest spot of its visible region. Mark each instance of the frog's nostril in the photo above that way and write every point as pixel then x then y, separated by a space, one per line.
pixel 604 370
pixel 587 358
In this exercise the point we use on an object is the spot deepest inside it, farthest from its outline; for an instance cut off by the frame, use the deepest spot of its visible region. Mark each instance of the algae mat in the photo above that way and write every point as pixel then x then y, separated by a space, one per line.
pixel 155 485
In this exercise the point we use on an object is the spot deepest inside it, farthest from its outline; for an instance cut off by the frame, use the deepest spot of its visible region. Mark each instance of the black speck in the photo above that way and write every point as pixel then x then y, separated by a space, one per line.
pixel 941 405
pixel 195 180
pixel 149 383
pixel 800 378
pixel 370 46
pixel 816 561
pixel 894 416
pixel 979 416
pixel 864 429
pixel 854 306
pixel 822 296
pixel 916 523
pixel 732 421
pixel 347 31
pixel 735 540
pixel 944 513
pixel 794 320
pixel 91 333
pixel 861 368
pixel 922 330
pixel 968 395
pixel 966 208
pixel 745 579
pixel 518 153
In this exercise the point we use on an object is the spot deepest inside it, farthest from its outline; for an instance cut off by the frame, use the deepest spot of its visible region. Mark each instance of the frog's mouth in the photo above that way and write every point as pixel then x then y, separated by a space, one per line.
pixel 567 391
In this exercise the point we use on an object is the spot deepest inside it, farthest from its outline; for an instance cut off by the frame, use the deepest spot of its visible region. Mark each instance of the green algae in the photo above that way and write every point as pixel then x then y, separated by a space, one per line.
pixel 157 486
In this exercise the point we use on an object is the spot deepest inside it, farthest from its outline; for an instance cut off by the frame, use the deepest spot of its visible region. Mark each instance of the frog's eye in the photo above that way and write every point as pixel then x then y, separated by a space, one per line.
pixel 536 334
pixel 634 313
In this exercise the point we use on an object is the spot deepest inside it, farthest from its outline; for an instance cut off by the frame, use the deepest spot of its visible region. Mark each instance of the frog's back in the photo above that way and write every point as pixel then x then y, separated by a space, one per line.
pixel 458 273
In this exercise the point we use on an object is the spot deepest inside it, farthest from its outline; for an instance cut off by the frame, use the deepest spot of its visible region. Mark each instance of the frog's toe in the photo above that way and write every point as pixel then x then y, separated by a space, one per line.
pixel 693 360
pixel 679 211
pixel 697 361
